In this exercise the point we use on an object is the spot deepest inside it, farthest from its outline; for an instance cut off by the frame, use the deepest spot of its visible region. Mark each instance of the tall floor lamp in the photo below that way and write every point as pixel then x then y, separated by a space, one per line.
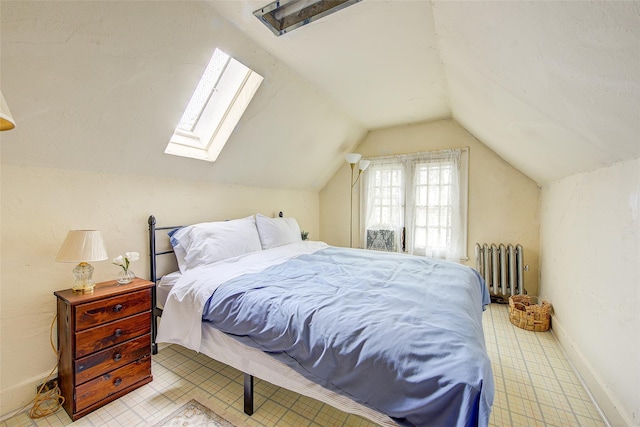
pixel 353 159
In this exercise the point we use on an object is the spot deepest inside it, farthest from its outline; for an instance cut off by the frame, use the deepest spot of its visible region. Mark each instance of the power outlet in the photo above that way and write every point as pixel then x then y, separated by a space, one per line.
pixel 49 385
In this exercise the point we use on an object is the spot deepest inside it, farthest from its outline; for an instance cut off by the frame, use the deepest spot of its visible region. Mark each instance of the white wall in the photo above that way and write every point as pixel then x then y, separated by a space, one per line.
pixel 590 238
pixel 40 205
pixel 503 202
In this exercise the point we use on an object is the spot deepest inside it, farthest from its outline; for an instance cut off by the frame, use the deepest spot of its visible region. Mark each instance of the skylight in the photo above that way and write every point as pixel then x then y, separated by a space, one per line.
pixel 204 90
pixel 216 106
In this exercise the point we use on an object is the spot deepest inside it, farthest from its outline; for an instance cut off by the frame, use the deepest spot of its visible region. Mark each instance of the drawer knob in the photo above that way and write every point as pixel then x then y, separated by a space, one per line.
pixel 117 307
pixel 118 332
pixel 117 357
pixel 117 382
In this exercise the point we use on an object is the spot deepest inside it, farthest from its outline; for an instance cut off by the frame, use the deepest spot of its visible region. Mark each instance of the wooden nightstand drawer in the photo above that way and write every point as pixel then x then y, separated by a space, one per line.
pixel 109 309
pixel 104 339
pixel 112 358
pixel 111 383
pixel 101 337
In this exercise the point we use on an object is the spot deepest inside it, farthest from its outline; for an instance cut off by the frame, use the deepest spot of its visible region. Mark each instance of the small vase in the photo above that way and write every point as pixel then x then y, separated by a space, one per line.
pixel 125 276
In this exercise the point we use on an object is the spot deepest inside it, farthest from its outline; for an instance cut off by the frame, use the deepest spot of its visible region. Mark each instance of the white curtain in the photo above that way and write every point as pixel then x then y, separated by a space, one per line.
pixel 384 195
pixel 435 214
pixel 424 192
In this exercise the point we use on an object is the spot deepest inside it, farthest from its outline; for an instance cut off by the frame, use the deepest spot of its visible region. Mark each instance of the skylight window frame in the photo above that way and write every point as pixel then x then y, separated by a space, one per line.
pixel 227 102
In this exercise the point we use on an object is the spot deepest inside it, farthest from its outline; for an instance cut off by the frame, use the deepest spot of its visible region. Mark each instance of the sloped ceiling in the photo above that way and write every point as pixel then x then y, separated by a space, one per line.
pixel 552 87
pixel 378 59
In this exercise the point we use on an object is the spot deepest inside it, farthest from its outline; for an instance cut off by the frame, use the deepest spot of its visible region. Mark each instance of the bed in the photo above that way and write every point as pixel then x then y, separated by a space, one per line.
pixel 394 338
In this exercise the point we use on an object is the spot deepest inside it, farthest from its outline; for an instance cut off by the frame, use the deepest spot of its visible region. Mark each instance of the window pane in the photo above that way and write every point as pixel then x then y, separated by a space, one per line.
pixel 434 196
pixel 421 196
pixel 445 196
pixel 204 90
pixel 434 175
pixel 445 217
pixel 434 217
pixel 421 217
pixel 420 237
pixel 446 175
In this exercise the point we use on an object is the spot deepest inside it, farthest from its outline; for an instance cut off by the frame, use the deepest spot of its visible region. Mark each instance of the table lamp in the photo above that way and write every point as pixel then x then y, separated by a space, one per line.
pixel 6 121
pixel 82 246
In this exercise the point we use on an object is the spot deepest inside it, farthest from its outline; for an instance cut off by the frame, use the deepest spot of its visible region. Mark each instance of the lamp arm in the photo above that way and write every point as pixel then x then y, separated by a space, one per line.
pixel 357 178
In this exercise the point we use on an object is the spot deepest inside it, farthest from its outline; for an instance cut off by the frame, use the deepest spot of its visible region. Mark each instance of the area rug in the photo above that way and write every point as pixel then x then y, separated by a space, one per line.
pixel 194 414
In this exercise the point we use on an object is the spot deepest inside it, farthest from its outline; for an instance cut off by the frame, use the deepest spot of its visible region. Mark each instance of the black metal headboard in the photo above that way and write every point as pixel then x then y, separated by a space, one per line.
pixel 153 276
pixel 153 253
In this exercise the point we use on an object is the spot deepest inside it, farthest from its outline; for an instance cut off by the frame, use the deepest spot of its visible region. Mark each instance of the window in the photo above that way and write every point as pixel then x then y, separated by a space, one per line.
pixel 417 204
pixel 219 100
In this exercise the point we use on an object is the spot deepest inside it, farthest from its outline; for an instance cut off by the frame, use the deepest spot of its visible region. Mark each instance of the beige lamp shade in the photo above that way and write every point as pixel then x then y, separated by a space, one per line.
pixel 82 246
pixel 6 121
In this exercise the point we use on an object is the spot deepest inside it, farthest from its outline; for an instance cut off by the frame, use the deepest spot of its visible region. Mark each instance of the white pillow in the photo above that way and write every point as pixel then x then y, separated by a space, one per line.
pixel 209 242
pixel 175 236
pixel 276 232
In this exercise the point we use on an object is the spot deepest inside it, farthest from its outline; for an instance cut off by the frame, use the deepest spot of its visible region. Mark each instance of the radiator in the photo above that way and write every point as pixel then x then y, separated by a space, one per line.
pixel 502 267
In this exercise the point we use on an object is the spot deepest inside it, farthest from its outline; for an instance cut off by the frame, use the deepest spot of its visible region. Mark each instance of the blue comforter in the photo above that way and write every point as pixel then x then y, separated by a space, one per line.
pixel 401 334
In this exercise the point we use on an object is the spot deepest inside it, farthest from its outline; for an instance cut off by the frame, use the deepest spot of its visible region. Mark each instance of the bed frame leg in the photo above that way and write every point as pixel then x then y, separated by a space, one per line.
pixel 248 394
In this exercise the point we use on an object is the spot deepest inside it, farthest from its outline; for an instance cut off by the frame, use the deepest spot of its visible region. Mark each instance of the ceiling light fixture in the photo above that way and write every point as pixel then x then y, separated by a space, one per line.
pixel 283 16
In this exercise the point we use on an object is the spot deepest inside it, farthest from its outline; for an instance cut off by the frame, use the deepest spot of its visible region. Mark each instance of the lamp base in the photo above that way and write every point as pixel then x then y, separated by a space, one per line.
pixel 83 274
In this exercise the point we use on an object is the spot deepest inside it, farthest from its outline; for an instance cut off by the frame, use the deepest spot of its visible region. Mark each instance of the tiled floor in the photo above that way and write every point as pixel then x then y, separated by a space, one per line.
pixel 535 386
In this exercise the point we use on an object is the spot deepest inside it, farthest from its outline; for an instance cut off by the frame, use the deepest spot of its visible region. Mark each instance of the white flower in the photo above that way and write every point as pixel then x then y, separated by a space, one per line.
pixel 132 256
pixel 124 261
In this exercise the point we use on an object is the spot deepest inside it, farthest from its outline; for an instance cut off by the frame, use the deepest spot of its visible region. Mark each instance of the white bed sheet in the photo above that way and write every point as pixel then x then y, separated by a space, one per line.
pixel 164 286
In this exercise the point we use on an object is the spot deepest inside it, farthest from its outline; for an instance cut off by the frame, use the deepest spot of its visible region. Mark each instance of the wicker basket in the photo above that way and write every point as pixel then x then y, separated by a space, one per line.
pixel 527 312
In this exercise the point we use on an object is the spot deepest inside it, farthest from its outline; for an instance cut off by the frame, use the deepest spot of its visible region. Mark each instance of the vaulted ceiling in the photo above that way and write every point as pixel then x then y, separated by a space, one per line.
pixel 552 87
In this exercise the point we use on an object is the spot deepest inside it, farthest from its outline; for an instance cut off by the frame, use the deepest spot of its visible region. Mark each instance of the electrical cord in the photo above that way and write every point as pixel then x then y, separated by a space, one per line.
pixel 40 406
pixel 38 410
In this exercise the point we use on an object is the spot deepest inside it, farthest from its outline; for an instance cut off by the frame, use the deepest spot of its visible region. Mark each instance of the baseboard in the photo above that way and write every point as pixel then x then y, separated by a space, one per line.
pixel 19 397
pixel 606 404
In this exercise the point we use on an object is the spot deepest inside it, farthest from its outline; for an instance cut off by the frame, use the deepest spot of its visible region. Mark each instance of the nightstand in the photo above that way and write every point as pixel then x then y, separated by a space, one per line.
pixel 104 339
